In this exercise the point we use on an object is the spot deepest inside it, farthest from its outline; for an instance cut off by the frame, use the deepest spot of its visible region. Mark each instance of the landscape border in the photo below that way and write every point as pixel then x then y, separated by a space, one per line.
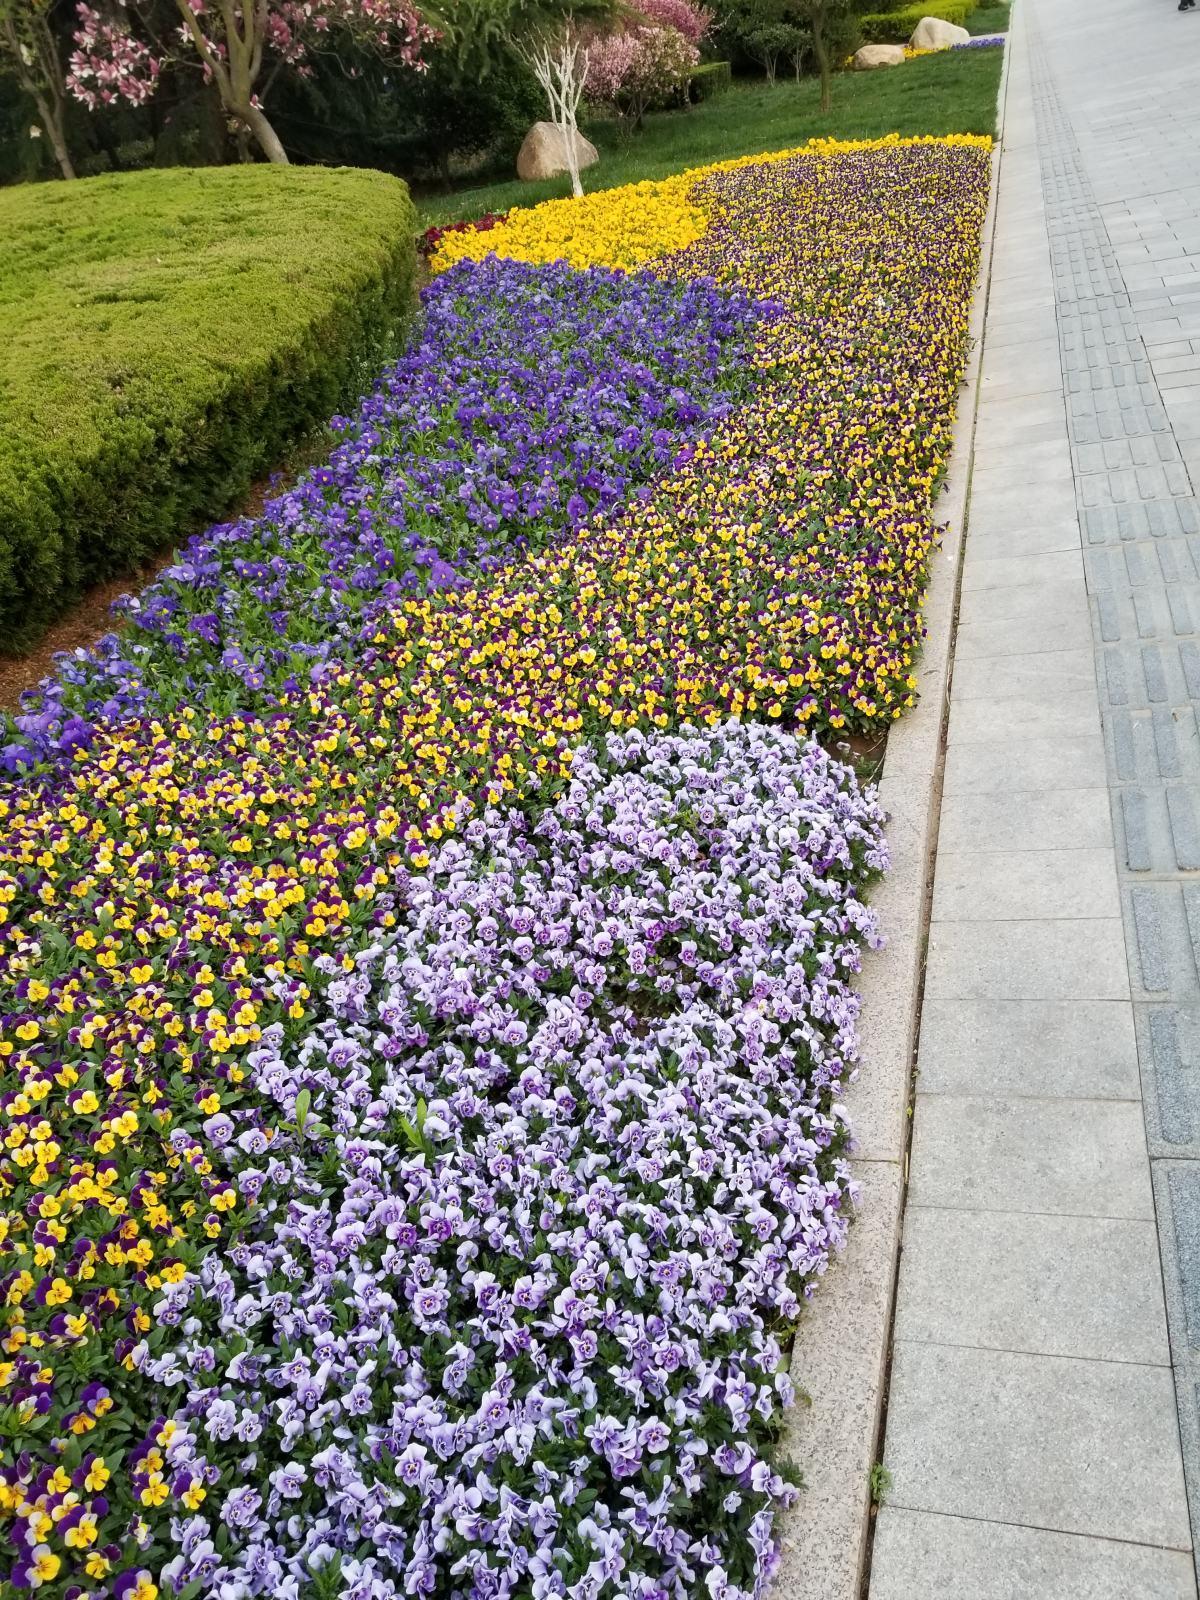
pixel 842 1350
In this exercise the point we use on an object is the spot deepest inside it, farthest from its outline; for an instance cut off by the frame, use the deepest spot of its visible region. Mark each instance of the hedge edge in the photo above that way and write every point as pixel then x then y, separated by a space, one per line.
pixel 896 27
pixel 143 492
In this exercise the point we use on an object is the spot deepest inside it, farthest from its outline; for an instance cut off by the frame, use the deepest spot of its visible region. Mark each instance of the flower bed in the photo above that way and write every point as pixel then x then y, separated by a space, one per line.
pixel 204 897
pixel 427 241
pixel 531 399
pixel 586 1163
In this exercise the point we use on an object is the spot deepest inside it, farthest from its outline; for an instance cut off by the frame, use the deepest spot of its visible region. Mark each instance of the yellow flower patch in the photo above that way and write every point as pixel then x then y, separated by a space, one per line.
pixel 636 222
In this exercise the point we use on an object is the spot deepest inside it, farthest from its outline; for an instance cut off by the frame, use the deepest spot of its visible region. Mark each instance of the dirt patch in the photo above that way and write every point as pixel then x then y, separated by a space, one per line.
pixel 863 751
pixel 88 620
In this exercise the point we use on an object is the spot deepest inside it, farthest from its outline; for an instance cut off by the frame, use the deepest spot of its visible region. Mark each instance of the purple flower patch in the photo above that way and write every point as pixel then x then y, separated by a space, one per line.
pixel 518 1320
pixel 532 398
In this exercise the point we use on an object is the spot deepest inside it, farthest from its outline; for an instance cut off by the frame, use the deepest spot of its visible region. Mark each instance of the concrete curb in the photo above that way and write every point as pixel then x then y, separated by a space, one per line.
pixel 840 1357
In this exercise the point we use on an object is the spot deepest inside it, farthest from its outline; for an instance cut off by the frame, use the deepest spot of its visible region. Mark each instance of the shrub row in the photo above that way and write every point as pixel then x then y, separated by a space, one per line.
pixel 896 27
pixel 168 334
pixel 709 79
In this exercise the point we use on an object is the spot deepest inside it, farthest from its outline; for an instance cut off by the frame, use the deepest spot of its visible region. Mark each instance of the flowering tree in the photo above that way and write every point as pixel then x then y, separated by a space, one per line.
pixel 646 63
pixel 241 45
pixel 29 51
pixel 692 21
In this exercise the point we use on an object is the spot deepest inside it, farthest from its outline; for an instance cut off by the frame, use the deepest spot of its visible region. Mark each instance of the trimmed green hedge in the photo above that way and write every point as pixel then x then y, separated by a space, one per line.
pixel 708 79
pixel 895 27
pixel 167 334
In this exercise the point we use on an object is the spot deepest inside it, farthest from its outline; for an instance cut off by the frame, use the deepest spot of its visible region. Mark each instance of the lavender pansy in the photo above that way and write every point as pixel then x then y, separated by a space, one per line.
pixel 518 1324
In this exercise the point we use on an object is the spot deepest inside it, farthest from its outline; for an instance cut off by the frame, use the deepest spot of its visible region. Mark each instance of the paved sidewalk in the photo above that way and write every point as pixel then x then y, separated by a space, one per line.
pixel 1033 1432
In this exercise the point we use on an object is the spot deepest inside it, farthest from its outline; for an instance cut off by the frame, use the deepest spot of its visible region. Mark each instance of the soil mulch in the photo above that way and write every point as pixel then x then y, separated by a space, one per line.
pixel 88 620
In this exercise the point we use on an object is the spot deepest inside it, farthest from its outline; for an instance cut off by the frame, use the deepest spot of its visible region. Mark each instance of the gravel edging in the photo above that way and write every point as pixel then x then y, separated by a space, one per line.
pixel 841 1354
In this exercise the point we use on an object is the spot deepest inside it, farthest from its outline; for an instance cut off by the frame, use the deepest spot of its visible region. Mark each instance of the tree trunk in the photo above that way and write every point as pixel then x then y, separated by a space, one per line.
pixel 40 75
pixel 51 119
pixel 823 67
pixel 62 155
pixel 265 136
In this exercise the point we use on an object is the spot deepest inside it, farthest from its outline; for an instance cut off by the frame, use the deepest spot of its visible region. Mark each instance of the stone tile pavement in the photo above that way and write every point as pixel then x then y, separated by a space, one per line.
pixel 1044 1413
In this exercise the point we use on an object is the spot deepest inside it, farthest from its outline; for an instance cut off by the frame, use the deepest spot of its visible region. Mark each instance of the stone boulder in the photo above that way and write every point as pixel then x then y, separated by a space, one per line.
pixel 931 33
pixel 878 55
pixel 544 153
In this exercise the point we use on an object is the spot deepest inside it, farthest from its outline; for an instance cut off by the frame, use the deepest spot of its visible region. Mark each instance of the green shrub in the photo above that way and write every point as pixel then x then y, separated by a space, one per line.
pixel 895 27
pixel 708 79
pixel 167 335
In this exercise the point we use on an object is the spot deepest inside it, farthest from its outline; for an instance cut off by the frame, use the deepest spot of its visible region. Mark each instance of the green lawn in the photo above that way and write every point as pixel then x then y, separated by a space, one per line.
pixel 987 19
pixel 951 92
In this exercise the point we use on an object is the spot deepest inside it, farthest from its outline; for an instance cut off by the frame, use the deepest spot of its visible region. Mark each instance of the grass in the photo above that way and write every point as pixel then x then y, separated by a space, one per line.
pixel 987 19
pixel 951 92
pixel 167 334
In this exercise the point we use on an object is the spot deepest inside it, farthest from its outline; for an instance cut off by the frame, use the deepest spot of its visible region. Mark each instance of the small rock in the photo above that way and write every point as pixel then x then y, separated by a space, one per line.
pixel 544 153
pixel 931 33
pixel 878 55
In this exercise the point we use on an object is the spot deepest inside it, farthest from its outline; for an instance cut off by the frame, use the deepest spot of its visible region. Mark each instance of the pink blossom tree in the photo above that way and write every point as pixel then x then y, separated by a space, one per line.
pixel 692 21
pixel 240 44
pixel 646 62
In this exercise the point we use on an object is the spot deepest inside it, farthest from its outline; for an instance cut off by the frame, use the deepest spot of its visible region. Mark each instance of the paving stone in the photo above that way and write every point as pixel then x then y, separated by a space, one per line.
pixel 1154 745
pixel 999 885
pixel 1006 536
pixel 1035 382
pixel 1031 498
pixel 1013 636
pixel 1163 921
pixel 1169 1045
pixel 919 1555
pixel 1062 1286
pixel 1183 1186
pixel 1039 672
pixel 1021 414
pixel 1007 572
pixel 1015 329
pixel 984 1153
pixel 994 454
pixel 1142 563
pixel 1040 820
pixel 1009 362
pixel 1074 761
pixel 1079 1049
pixel 982 721
pixel 1081 959
pixel 1149 673
pixel 1041 605
pixel 1079 1446
pixel 1159 828
pixel 1107 523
